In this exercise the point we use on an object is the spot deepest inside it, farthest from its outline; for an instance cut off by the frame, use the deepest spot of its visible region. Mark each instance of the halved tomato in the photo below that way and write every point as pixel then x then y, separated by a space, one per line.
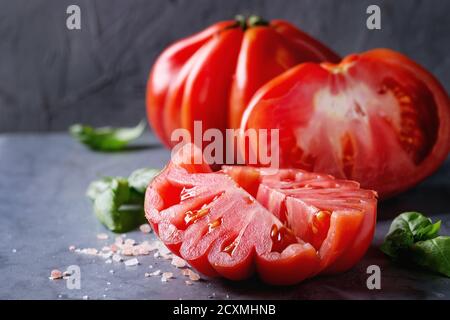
pixel 287 226
pixel 376 117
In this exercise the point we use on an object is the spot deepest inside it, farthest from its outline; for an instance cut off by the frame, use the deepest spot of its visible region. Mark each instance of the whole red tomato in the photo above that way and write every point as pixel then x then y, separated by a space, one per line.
pixel 212 75
pixel 377 118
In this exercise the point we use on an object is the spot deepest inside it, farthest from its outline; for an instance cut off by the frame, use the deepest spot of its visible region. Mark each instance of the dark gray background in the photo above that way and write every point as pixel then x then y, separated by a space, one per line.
pixel 51 77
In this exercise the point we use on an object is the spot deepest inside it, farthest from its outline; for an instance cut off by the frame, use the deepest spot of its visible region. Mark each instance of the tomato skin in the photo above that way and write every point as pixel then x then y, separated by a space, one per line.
pixel 377 118
pixel 286 269
pixel 221 226
pixel 166 67
pixel 212 75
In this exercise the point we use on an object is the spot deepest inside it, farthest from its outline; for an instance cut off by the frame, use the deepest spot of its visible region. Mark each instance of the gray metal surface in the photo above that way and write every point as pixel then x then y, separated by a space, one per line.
pixel 51 77
pixel 43 210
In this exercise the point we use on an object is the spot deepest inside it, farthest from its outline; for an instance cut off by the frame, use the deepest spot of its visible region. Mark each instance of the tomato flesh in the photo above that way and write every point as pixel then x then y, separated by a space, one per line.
pixel 377 118
pixel 286 226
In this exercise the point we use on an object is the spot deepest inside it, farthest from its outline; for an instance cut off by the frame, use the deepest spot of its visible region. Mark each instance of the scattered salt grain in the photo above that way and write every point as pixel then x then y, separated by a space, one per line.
pixel 194 276
pixel 85 297
pixel 188 283
pixel 106 255
pixel 111 271
pixel 130 242
pixel 66 273
pixel 166 276
pixel 145 228
pixel 89 251
pixel 178 262
pixel 102 236
pixel 156 254
pixel 127 251
pixel 155 273
pixel 131 262
pixel 72 248
pixel 14 250
pixel 185 272
pixel 167 256
pixel 163 249
pixel 55 274
pixel 117 258
pixel 108 261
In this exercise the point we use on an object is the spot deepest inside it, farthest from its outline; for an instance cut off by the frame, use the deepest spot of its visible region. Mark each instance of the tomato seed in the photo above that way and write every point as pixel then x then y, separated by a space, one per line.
pixel 187 193
pixel 323 214
pixel 231 247
pixel 192 216
pixel 214 224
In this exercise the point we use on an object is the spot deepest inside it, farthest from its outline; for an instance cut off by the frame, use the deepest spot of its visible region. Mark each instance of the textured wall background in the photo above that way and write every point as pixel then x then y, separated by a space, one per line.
pixel 51 77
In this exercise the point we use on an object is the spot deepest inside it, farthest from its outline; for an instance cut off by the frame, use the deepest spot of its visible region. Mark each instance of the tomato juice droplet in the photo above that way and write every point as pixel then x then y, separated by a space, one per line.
pixel 319 226
pixel 321 220
pixel 249 199
pixel 281 238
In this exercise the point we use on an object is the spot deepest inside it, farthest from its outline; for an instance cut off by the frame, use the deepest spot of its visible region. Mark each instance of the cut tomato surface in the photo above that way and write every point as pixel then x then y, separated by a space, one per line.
pixel 286 226
pixel 377 118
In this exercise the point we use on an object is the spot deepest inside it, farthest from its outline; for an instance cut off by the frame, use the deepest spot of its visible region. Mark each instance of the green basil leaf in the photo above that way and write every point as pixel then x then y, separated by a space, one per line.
pixel 417 224
pixel 98 186
pixel 106 138
pixel 433 254
pixel 429 232
pixel 140 179
pixel 119 202
pixel 117 206
pixel 396 242
pixel 413 238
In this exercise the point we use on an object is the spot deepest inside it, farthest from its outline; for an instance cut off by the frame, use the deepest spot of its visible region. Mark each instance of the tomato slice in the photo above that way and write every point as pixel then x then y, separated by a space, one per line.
pixel 376 117
pixel 285 226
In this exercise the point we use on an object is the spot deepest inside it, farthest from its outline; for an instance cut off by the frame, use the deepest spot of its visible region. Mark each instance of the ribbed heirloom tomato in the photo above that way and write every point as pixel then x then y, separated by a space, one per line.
pixel 212 75
pixel 376 117
pixel 286 226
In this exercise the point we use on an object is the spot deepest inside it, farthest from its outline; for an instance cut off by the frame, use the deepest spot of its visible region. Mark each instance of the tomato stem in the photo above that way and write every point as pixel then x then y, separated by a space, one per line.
pixel 250 22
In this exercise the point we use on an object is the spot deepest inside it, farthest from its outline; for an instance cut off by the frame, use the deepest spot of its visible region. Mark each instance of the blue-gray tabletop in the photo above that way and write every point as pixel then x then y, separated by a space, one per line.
pixel 44 210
